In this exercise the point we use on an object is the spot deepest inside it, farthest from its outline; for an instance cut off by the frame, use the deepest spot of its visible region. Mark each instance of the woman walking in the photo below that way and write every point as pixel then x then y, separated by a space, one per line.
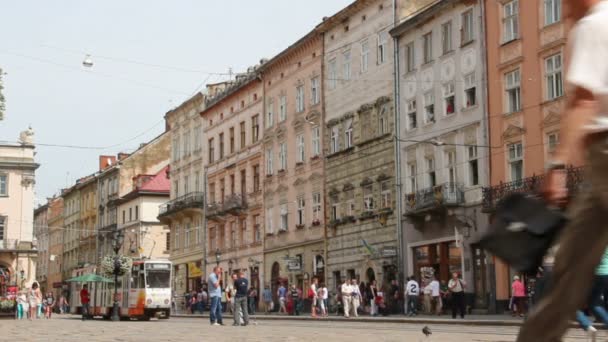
pixel 374 293
pixel 49 302
pixel 519 296
pixel 35 300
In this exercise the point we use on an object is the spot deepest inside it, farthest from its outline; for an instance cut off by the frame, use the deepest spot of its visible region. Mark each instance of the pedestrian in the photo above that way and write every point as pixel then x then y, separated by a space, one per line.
pixel 204 299
pixel 282 294
pixel 230 292
pixel 267 298
pixel 396 297
pixel 85 299
pixel 519 297
pixel 312 295
pixel 412 292
pixel 322 299
pixel 23 306
pixel 346 291
pixel 373 289
pixel 433 288
pixel 295 299
pixel 252 296
pixel 49 302
pixel 215 293
pixel 456 287
pixel 584 130
pixel 445 294
pixel 325 293
pixel 356 297
pixel 240 312
pixel 596 301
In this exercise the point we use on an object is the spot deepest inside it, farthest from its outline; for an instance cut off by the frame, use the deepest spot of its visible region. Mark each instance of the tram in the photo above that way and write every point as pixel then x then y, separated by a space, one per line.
pixel 143 293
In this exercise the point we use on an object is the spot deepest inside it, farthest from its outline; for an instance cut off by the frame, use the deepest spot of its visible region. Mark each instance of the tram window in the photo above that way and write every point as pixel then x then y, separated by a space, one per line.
pixel 158 279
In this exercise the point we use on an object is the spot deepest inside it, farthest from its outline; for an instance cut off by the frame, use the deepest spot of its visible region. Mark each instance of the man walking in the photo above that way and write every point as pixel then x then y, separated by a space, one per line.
pixel 347 299
pixel 267 297
pixel 584 133
pixel 412 293
pixel 253 299
pixel 282 294
pixel 295 299
pixel 456 287
pixel 85 300
pixel 215 293
pixel 433 287
pixel 240 300
pixel 312 295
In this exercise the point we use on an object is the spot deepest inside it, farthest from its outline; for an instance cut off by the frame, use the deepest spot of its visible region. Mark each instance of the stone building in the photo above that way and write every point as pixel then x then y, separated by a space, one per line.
pixel 294 250
pixel 443 147
pixel 88 219
pixel 55 253
pixel 41 234
pixel 233 164
pixel 71 230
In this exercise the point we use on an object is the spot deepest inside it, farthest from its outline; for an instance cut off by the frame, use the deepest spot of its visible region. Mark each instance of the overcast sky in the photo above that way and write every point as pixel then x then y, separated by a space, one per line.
pixel 149 56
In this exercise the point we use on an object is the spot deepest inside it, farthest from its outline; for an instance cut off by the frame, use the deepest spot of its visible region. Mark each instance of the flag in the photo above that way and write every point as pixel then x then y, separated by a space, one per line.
pixel 369 249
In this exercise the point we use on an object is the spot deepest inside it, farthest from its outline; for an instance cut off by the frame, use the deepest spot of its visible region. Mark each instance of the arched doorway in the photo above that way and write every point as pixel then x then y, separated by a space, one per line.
pixel 275 276
pixel 371 275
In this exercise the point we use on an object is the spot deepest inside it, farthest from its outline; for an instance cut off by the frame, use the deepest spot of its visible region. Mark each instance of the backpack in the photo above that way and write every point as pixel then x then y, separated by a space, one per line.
pixel 311 293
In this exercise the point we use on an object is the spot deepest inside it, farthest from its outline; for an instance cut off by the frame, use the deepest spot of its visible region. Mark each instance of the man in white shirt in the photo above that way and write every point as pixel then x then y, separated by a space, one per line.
pixel 435 296
pixel 347 297
pixel 412 292
pixel 356 296
pixel 584 134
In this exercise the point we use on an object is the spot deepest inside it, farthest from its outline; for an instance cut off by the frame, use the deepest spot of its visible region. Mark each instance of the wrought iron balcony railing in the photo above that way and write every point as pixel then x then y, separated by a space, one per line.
pixel 234 204
pixel 493 194
pixel 434 198
pixel 214 210
pixel 191 200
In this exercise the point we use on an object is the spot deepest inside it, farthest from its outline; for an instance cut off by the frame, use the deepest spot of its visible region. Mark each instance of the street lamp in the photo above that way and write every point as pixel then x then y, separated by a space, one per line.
pixel 117 241
pixel 218 256
pixel 230 263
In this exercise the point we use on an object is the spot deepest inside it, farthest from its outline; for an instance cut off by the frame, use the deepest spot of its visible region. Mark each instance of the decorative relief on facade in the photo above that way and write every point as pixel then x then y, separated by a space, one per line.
pixel 551 119
pixel 513 132
pixel 510 51
pixel 551 34
pixel 427 79
pixel 468 62
pixel 410 87
pixel 448 69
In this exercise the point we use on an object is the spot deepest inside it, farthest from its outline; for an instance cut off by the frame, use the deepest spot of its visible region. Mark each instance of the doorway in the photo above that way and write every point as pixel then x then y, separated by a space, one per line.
pixel 479 274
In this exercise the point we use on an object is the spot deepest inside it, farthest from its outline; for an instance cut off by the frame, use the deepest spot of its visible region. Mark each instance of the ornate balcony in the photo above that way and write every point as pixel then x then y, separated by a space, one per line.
pixel 214 210
pixel 492 195
pixel 436 198
pixel 193 200
pixel 234 204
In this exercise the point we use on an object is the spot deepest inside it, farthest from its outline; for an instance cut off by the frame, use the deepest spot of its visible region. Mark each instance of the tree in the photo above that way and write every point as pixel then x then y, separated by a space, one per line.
pixel 2 107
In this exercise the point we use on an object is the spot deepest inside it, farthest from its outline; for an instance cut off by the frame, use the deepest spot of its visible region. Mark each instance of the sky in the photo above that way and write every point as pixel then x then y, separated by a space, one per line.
pixel 149 56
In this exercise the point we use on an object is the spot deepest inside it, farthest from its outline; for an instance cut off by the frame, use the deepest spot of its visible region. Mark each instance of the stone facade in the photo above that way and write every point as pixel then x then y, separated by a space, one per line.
pixel 55 255
pixel 71 230
pixel 88 220
pixel 41 234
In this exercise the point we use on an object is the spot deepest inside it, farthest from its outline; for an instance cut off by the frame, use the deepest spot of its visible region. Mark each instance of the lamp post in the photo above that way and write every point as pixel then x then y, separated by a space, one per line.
pixel 117 241
pixel 218 256
pixel 230 263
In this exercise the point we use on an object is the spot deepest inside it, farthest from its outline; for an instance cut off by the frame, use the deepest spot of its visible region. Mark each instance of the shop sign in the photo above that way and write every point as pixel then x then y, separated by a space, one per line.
pixel 294 264
pixel 389 251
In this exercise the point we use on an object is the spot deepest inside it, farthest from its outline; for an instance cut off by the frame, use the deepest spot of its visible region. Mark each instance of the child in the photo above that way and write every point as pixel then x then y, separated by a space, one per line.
pixel 22 305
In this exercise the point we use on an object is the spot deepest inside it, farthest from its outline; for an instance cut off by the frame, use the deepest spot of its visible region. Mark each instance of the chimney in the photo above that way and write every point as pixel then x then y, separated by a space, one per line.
pixel 106 161
pixel 122 155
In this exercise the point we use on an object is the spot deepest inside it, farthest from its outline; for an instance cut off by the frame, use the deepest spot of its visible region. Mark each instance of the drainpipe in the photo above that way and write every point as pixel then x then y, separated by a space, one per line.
pixel 322 134
pixel 205 223
pixel 397 148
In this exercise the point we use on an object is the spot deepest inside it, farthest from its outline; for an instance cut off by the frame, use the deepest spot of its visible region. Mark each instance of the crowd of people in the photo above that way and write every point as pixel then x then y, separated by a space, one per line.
pixel 32 303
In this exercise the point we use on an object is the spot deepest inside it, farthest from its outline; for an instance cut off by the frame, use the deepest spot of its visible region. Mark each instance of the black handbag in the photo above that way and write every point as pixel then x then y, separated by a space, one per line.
pixel 523 230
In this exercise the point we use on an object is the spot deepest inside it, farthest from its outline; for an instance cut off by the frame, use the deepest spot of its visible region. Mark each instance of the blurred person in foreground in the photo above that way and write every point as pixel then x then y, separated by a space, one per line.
pixel 584 134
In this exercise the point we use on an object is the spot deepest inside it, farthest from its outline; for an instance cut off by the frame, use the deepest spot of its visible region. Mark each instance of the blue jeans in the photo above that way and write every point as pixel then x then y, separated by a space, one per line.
pixel 215 315
pixel 596 304
pixel 412 305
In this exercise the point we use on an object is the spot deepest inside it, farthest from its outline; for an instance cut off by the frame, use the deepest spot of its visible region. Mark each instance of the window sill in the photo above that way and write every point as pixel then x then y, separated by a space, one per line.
pixel 507 114
pixel 282 231
pixel 509 42
pixel 428 64
pixel 467 43
pixel 410 73
pixel 447 54
pixel 553 100
pixel 547 26
pixel 428 124
pixel 469 109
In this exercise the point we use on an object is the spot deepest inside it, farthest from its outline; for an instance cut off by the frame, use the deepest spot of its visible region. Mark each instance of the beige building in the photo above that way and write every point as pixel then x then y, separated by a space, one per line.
pixel 185 206
pixel 55 278
pixel 294 250
pixel 18 254
pixel 41 234
pixel 71 231
pixel 88 220
pixel 232 127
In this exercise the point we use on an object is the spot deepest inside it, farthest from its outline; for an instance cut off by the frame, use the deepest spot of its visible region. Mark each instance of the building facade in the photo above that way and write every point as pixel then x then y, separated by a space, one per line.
pixel 71 231
pixel 18 254
pixel 88 219
pixel 443 147
pixel 55 256
pixel 359 143
pixel 185 207
pixel 526 98
pixel 233 164
pixel 294 248
pixel 41 234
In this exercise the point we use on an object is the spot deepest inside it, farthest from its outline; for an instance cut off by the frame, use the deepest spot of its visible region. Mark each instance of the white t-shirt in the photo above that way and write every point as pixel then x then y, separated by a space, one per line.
pixel 412 288
pixel 346 289
pixel 459 285
pixel 434 288
pixel 324 293
pixel 588 66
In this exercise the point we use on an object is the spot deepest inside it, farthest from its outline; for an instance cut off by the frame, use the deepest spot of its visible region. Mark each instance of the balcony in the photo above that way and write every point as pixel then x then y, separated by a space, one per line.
pixel 9 245
pixel 193 200
pixel 494 194
pixel 436 198
pixel 234 204
pixel 214 211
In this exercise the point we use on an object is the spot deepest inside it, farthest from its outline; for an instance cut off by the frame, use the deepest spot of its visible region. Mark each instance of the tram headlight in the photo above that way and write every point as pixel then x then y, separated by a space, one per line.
pixel 149 301
pixel 166 302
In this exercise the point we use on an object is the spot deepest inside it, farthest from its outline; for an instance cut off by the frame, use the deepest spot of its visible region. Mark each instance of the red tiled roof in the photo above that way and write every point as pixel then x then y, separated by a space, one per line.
pixel 158 183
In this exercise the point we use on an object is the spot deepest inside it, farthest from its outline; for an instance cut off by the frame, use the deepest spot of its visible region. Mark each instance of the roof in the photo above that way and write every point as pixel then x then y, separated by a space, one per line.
pixel 158 183
pixel 330 22
pixel 421 16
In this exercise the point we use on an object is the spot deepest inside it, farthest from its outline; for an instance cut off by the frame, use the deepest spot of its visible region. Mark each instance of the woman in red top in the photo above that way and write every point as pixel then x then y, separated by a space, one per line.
pixel 519 296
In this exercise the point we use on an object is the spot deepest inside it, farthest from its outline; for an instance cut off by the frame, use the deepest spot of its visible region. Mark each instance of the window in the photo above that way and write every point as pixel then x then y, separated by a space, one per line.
pixel 212 239
pixel 3 185
pixel 350 203
pixel 270 113
pixel 242 131
pixel 199 228
pixel 332 73
pixel 176 240
pixel 186 139
pixel 257 231
pixel 553 11
pixel 282 108
pixel 256 178
pixel 176 187
pixel 470 90
pixel 168 242
pixel 136 212
pixel 364 56
pixel 448 98
pixel 301 207
pixel 428 47
pixel 212 192
pixel 232 184
pixel 411 114
pixel 197 139
pixel 211 151
pixel 335 142
pixel 299 99
pixel 315 91
pixel 348 134
pixel 510 21
pixel 383 120
pixel 187 235
pixel 412 170
pixel 346 65
pixel 513 90
pixel 269 169
pixel 410 57
pixel 385 193
pixel 429 107
pixel 221 145
pixel 382 48
pixel 334 209
pixel 451 165
pixel 300 147
pixel 242 232
pixel 255 128
pixel 232 235
pixel 553 70
pixel 284 217
pixel 283 156
pixel 231 132
pixel 467 33
pixel 124 216
pixel 473 166
pixel 222 190
pixel 553 141
pixel 516 162
pixel 368 197
pixel 430 169
pixel 316 206
pixel 222 236
pixel 316 141
pixel 130 214
pixel 446 37
pixel 243 178
pixel 175 145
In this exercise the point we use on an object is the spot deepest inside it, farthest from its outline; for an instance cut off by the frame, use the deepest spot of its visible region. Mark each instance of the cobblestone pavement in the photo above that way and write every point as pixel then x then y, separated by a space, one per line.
pixel 64 328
